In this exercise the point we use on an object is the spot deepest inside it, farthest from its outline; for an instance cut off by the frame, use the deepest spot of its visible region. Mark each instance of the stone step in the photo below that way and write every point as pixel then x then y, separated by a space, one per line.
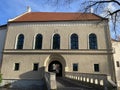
pixel 73 88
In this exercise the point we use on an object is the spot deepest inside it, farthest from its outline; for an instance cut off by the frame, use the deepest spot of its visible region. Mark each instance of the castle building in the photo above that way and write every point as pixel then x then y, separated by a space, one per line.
pixel 39 42
pixel 116 57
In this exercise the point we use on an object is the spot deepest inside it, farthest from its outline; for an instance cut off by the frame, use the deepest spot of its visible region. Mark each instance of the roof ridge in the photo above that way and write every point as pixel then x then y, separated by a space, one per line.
pixel 28 11
pixel 17 17
pixel 55 12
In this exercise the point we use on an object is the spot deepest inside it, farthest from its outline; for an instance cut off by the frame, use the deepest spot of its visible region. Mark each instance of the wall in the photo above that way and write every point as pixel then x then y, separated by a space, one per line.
pixel 65 29
pixel 85 57
pixel 116 57
pixel 85 64
pixel 3 30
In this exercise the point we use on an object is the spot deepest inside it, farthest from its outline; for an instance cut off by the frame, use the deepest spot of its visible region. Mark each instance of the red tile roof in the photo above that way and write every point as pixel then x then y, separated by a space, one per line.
pixel 56 16
pixel 114 40
pixel 3 27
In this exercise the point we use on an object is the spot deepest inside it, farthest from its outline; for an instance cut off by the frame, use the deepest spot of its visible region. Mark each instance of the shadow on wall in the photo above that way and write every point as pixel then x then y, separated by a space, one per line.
pixel 38 74
pixel 32 80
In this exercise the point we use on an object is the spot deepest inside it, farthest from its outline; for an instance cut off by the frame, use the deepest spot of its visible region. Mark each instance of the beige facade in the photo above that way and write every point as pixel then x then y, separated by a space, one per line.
pixel 64 29
pixel 80 56
pixel 84 57
pixel 3 30
pixel 116 47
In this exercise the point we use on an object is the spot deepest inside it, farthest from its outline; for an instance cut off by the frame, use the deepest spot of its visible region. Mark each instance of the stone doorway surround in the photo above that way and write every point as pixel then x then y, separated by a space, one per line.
pixel 55 58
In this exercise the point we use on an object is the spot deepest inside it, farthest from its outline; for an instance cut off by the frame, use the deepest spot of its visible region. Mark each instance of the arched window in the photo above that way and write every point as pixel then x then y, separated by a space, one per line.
pixel 56 41
pixel 92 41
pixel 38 42
pixel 20 41
pixel 74 41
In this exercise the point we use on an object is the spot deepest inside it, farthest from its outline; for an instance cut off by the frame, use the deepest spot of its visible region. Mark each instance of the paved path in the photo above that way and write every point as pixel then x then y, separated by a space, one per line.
pixel 66 84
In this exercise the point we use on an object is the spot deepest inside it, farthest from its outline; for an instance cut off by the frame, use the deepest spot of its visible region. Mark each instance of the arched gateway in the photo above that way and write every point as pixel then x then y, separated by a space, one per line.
pixel 55 63
pixel 56 67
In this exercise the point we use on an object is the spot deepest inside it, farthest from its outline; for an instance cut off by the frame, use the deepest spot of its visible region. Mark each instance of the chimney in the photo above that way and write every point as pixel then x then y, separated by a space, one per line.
pixel 28 9
pixel 91 10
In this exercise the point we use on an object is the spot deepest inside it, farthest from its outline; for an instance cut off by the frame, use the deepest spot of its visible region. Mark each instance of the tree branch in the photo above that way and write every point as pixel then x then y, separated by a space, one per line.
pixel 98 3
pixel 115 12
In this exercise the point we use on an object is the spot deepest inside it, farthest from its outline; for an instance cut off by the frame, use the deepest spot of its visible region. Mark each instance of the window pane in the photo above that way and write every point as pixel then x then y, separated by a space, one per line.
pixel 20 41
pixel 35 66
pixel 92 41
pixel 96 67
pixel 56 41
pixel 16 68
pixel 118 64
pixel 74 41
pixel 75 67
pixel 38 42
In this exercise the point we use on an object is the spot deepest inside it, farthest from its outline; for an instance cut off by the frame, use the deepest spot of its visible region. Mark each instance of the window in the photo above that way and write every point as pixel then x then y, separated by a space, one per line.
pixel 17 65
pixel 38 42
pixel 56 41
pixel 75 67
pixel 20 41
pixel 74 41
pixel 96 67
pixel 118 64
pixel 92 41
pixel 35 66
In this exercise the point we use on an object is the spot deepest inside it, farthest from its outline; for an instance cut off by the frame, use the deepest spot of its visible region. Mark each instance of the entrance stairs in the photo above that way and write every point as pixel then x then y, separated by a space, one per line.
pixel 79 81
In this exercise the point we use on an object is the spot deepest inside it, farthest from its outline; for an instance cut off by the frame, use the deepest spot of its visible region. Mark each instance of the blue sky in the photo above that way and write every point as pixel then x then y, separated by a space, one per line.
pixel 12 8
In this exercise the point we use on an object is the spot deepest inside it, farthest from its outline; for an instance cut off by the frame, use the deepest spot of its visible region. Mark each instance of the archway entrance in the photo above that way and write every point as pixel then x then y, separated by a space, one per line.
pixel 56 67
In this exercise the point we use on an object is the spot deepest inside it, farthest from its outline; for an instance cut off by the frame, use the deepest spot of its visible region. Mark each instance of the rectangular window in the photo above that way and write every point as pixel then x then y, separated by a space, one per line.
pixel 96 67
pixel 118 64
pixel 75 67
pixel 17 65
pixel 35 66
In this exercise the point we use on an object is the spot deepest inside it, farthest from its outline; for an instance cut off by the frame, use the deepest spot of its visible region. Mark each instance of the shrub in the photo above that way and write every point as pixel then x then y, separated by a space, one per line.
pixel 0 78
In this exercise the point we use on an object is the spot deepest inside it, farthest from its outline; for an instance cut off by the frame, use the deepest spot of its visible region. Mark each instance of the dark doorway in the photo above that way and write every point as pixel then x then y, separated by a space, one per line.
pixel 56 67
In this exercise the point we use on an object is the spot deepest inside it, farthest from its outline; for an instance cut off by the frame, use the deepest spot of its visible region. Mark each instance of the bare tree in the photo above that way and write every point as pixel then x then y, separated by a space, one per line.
pixel 100 7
